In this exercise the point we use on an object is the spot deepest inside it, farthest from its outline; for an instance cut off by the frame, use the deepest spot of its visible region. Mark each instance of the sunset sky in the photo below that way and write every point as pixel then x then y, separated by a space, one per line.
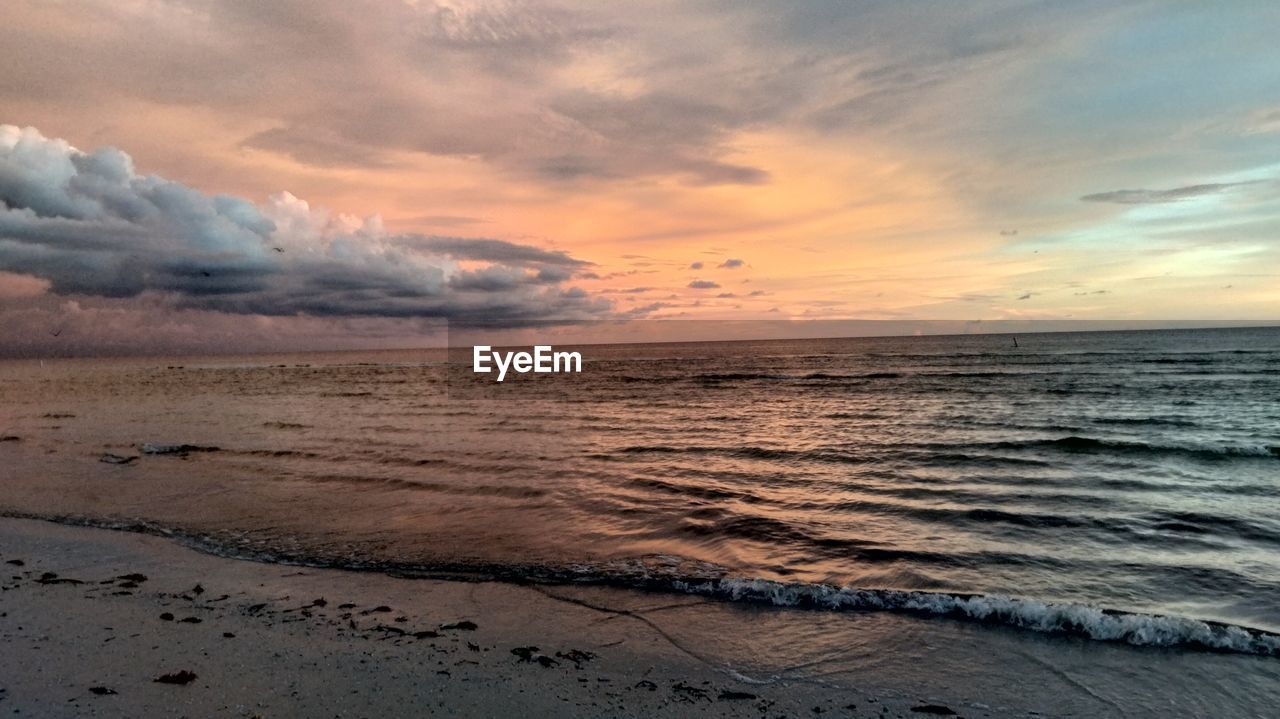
pixel 328 173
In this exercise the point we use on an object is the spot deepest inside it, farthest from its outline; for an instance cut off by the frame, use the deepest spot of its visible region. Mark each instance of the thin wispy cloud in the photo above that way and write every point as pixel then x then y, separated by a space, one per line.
pixel 1176 194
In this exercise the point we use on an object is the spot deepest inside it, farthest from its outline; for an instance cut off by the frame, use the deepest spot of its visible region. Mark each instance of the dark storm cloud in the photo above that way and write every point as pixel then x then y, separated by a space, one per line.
pixel 490 251
pixel 89 225
pixel 1147 197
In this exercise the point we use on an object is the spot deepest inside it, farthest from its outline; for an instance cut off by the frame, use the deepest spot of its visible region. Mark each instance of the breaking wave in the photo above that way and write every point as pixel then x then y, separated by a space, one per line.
pixel 1052 618
pixel 660 573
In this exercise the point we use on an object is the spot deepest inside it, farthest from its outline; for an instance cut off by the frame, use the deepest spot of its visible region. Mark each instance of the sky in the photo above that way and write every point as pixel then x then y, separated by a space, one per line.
pixel 179 175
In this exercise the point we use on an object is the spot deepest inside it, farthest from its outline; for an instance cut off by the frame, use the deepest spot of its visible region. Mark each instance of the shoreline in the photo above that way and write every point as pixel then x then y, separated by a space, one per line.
pixel 92 608
pixel 1049 617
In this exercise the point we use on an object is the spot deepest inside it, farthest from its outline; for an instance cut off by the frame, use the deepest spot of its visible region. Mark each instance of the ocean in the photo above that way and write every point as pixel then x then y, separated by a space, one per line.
pixel 1116 486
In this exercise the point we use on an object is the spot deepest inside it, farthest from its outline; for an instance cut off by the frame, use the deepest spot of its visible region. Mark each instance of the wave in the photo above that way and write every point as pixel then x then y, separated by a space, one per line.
pixel 1077 443
pixel 1203 523
pixel 935 453
pixel 1145 421
pixel 1079 620
pixel 285 425
pixel 811 377
pixel 668 574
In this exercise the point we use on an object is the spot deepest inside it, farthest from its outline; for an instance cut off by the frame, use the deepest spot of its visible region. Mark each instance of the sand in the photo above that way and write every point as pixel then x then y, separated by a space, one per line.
pixel 85 634
pixel 90 619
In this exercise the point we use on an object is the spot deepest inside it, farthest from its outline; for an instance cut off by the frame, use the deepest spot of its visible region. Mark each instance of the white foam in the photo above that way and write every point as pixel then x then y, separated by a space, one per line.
pixel 1075 619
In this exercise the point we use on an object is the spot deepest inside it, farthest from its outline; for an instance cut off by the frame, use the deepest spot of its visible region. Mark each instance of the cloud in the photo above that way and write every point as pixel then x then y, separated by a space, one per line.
pixel 644 310
pixel 696 266
pixel 732 264
pixel 567 91
pixel 704 285
pixel 495 82
pixel 444 220
pixel 1146 197
pixel 13 285
pixel 87 224
pixel 57 326
pixel 726 295
pixel 1263 122
pixel 489 251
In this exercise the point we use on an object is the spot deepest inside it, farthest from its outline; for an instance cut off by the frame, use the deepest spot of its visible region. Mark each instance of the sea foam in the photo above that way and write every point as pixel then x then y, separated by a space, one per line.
pixel 1049 617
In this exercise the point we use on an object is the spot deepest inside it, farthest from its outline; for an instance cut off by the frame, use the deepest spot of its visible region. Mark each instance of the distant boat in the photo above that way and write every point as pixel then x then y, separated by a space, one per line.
pixel 1015 341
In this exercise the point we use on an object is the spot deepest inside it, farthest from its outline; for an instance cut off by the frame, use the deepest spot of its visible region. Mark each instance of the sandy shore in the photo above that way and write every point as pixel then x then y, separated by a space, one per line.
pixel 91 619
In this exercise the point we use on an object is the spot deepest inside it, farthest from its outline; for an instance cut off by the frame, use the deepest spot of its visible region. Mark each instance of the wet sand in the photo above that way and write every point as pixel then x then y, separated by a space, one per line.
pixel 92 619
pixel 102 623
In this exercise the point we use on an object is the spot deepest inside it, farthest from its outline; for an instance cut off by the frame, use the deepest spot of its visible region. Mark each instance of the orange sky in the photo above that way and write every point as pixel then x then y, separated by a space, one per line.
pixel 861 161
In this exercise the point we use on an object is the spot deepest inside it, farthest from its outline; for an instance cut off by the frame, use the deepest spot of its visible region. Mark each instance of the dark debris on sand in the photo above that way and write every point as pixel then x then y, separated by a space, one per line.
pixel 577 656
pixel 110 458
pixel 686 693
pixel 181 677
pixel 103 691
pixel 934 709
pixel 52 578
pixel 531 654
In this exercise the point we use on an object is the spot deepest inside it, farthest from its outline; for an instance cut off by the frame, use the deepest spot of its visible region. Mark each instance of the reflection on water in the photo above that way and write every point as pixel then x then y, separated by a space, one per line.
pixel 1135 471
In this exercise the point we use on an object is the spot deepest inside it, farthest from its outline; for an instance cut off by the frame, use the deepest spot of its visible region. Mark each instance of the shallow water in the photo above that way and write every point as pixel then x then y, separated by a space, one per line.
pixel 1128 471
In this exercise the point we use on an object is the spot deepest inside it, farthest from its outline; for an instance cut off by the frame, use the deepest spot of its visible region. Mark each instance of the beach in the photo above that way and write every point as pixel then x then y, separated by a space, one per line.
pixel 87 634
pixel 91 618
pixel 550 358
